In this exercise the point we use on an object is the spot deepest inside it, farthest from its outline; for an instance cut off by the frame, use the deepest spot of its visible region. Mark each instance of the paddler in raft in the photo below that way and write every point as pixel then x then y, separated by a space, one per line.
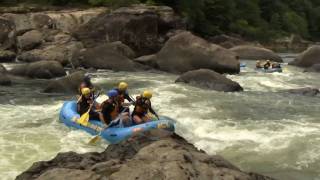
pixel 110 110
pixel 122 90
pixel 142 108
pixel 85 102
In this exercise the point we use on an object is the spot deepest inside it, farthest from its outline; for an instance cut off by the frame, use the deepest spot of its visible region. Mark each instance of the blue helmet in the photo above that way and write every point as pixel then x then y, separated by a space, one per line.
pixel 112 93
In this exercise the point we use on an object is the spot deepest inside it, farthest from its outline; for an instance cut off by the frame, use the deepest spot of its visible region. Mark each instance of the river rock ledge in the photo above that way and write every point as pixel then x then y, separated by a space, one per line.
pixel 170 157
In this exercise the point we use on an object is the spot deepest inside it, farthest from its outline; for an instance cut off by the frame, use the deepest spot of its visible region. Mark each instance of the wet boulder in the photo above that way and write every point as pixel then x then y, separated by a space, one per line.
pixel 104 57
pixel 122 49
pixel 40 70
pixel 142 28
pixel 305 91
pixel 148 60
pixel 7 56
pixel 7 33
pixel 255 53
pixel 185 52
pixel 68 84
pixel 29 40
pixel 313 68
pixel 308 58
pixel 208 79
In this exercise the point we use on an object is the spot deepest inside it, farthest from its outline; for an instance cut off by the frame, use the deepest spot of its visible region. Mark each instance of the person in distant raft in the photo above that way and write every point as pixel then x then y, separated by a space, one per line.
pixel 86 83
pixel 259 64
pixel 142 107
pixel 123 95
pixel 267 64
pixel 110 109
pixel 84 103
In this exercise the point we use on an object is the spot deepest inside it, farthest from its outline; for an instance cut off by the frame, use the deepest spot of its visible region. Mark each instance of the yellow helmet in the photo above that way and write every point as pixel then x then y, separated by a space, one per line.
pixel 123 86
pixel 85 91
pixel 147 94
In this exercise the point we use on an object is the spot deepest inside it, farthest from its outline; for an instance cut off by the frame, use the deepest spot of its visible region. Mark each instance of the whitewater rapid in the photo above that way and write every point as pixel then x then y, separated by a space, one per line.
pixel 262 129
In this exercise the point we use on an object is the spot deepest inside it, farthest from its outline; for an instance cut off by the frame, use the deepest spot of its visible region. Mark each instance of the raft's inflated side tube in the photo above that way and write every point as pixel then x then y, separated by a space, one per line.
pixel 69 116
pixel 272 70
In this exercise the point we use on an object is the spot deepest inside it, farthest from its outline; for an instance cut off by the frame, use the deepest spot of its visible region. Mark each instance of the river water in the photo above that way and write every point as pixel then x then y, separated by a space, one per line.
pixel 261 129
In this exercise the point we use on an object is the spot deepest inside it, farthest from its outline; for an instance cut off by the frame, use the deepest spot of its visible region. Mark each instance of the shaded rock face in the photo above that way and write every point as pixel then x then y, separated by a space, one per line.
pixel 30 40
pixel 63 173
pixel 7 56
pixel 305 91
pixel 142 28
pixel 209 79
pixel 68 84
pixel 185 52
pixel 308 58
pixel 168 158
pixel 68 21
pixel 41 70
pixel 7 33
pixel 255 53
pixel 104 57
pixel 55 52
pixel 227 41
pixel 313 68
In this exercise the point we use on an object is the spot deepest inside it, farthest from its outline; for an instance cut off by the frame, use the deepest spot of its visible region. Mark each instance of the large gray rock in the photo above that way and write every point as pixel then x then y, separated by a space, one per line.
pixel 142 28
pixel 41 70
pixel 205 78
pixel 7 33
pixel 122 49
pixel 185 52
pixel 62 53
pixel 29 21
pixel 68 84
pixel 313 68
pixel 63 173
pixel 30 40
pixel 309 57
pixel 255 53
pixel 148 60
pixel 7 56
pixel 168 158
pixel 104 57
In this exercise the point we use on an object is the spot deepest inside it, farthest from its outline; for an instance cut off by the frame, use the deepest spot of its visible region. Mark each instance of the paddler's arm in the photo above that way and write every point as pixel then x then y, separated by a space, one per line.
pixel 127 97
pixel 153 112
pixel 102 118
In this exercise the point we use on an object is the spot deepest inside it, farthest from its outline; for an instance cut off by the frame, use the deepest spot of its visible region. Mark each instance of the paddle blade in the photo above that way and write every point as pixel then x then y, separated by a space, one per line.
pixel 84 119
pixel 94 140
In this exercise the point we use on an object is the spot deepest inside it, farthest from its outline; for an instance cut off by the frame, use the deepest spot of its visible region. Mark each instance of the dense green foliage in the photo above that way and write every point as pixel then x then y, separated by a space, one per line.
pixel 253 19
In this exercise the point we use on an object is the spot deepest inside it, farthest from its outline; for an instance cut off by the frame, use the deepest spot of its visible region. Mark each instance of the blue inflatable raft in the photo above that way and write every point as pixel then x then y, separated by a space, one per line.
pixel 114 135
pixel 270 70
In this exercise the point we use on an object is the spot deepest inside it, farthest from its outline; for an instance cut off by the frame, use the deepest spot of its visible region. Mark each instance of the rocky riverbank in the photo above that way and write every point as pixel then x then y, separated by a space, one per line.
pixel 170 157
